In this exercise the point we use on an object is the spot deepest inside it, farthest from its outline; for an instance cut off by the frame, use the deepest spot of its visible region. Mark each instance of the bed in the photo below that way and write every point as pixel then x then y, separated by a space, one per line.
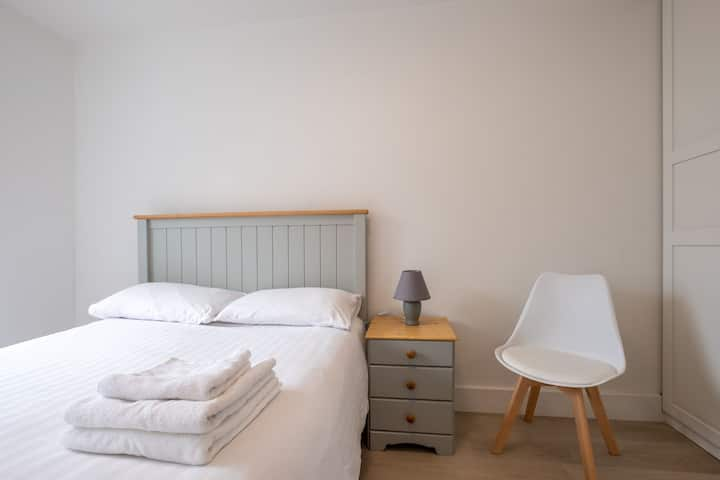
pixel 313 427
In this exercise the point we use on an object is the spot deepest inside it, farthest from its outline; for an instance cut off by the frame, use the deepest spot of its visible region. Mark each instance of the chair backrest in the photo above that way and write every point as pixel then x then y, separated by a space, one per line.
pixel 571 313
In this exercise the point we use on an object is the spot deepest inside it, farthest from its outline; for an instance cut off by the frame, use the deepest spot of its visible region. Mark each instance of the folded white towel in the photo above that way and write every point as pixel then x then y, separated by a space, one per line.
pixel 171 416
pixel 177 379
pixel 170 447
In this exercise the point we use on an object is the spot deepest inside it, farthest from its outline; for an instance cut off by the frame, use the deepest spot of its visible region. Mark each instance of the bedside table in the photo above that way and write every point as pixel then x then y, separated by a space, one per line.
pixel 412 383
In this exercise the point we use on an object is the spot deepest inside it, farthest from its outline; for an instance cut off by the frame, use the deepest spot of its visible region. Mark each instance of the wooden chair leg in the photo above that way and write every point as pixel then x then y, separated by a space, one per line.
pixel 512 411
pixel 532 402
pixel 583 432
pixel 596 402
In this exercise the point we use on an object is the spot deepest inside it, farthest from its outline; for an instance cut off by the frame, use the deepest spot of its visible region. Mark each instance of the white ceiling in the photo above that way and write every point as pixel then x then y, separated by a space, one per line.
pixel 86 20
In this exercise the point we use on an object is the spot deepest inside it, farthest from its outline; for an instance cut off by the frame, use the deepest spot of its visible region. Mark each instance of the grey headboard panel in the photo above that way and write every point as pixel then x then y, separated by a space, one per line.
pixel 250 251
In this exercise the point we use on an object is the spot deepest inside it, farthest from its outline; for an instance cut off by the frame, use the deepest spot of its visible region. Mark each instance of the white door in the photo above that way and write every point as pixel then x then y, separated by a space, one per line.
pixel 691 219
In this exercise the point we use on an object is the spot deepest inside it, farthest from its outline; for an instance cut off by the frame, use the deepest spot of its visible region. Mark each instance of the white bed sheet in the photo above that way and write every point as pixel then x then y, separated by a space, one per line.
pixel 310 431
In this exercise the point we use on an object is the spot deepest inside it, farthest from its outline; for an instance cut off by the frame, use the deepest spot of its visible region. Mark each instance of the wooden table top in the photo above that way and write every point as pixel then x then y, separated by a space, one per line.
pixel 391 327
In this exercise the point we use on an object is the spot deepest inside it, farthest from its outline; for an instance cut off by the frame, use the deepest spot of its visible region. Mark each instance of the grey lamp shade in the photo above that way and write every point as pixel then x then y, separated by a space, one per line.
pixel 411 287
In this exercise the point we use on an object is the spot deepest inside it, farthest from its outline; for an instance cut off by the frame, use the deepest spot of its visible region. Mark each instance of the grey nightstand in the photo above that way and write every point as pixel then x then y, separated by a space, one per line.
pixel 412 383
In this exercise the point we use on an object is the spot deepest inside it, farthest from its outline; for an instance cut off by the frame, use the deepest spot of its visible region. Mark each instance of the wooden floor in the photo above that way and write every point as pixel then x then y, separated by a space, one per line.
pixel 544 450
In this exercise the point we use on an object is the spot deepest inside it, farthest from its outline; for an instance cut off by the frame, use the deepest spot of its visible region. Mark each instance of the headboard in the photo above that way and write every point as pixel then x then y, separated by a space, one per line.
pixel 250 251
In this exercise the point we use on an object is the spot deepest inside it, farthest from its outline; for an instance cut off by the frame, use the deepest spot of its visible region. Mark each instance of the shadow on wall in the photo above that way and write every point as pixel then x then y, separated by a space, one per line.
pixel 629 305
pixel 484 310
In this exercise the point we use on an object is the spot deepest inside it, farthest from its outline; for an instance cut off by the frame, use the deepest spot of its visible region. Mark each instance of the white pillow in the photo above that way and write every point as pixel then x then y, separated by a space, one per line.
pixel 168 302
pixel 324 307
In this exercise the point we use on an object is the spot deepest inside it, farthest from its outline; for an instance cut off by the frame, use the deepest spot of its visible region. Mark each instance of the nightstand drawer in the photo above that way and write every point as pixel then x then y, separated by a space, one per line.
pixel 408 352
pixel 412 416
pixel 425 383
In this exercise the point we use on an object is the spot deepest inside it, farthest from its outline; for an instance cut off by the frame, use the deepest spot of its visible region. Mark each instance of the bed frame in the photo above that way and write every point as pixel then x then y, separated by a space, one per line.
pixel 251 251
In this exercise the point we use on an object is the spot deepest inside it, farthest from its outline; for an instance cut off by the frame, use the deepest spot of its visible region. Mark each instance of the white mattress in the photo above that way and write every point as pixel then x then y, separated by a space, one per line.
pixel 310 431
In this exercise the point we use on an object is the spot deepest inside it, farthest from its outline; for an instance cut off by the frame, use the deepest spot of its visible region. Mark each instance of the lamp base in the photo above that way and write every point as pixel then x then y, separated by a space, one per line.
pixel 412 313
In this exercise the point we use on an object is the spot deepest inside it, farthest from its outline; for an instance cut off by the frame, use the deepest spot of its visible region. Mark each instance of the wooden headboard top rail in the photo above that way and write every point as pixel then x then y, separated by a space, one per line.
pixel 271 213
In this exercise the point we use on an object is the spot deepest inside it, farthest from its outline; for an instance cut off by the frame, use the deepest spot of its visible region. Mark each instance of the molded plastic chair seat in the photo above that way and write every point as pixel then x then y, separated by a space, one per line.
pixel 554 367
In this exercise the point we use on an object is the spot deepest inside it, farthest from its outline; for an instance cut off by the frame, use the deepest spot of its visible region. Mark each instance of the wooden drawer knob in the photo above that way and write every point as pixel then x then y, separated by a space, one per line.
pixel 410 385
pixel 411 354
pixel 410 418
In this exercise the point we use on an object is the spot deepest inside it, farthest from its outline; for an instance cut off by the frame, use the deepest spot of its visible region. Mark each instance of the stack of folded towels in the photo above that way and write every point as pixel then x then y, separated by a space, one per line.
pixel 176 411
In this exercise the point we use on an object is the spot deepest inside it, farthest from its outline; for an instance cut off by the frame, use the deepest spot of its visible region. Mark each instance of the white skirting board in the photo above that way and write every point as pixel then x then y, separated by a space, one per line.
pixel 694 436
pixel 553 403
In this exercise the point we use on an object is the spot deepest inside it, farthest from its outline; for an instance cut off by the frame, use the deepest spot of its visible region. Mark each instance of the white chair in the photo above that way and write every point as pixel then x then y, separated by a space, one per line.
pixel 566 337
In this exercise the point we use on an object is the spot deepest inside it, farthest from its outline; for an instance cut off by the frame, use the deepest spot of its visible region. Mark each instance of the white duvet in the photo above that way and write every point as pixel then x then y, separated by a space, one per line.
pixel 311 430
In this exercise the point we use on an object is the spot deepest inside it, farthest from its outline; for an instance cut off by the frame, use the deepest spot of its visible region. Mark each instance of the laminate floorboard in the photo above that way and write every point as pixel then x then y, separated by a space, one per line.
pixel 546 449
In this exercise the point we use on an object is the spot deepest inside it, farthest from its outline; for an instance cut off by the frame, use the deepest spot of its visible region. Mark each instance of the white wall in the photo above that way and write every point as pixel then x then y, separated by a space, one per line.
pixel 36 180
pixel 490 140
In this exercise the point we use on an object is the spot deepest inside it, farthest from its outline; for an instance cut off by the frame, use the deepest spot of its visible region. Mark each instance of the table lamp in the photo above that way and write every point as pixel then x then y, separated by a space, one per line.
pixel 411 289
